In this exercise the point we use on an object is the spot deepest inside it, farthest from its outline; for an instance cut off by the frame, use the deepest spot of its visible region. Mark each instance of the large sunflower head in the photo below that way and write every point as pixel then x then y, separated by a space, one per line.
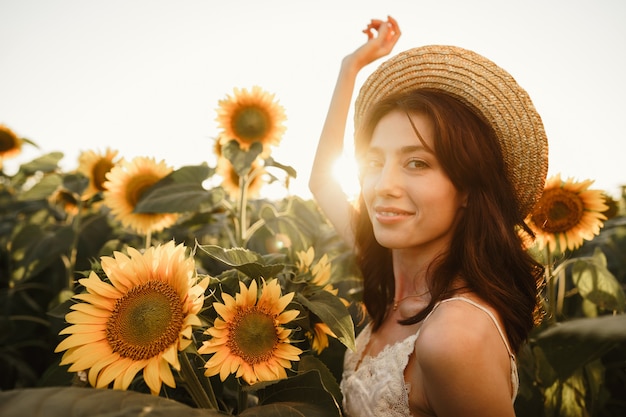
pixel 138 320
pixel 567 214
pixel 95 166
pixel 10 143
pixel 251 116
pixel 230 179
pixel 248 339
pixel 126 183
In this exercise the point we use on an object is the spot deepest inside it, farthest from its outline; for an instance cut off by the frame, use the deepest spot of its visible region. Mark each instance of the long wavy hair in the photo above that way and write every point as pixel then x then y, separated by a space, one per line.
pixel 487 249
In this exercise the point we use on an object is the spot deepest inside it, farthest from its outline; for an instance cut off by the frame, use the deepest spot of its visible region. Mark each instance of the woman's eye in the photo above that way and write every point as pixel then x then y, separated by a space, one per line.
pixel 416 163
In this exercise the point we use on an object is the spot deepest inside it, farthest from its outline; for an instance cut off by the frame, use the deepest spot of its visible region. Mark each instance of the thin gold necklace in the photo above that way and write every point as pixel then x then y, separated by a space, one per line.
pixel 397 303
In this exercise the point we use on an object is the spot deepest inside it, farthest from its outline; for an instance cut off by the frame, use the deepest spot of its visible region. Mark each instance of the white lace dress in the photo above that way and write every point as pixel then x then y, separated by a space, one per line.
pixel 377 388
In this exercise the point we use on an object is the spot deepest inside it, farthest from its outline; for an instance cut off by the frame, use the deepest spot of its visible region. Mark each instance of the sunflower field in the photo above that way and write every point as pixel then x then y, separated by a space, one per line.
pixel 128 287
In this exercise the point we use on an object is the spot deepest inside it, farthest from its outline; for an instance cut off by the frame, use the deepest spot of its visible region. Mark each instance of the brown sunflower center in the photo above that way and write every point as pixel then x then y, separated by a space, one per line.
pixel 137 186
pixel 253 335
pixel 250 124
pixel 99 171
pixel 558 211
pixel 8 141
pixel 145 321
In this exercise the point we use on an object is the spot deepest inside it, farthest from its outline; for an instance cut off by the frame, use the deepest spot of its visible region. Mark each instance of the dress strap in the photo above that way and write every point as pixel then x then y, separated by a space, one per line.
pixel 514 372
pixel 489 313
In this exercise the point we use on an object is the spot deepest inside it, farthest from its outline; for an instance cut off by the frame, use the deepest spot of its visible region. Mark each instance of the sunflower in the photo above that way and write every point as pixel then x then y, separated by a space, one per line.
pixel 567 214
pixel 320 271
pixel 126 183
pixel 10 144
pixel 65 200
pixel 251 116
pixel 248 338
pixel 230 179
pixel 137 321
pixel 319 336
pixel 95 166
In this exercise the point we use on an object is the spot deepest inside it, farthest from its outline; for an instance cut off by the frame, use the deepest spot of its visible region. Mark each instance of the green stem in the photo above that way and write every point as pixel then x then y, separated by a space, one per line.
pixel 242 399
pixel 551 284
pixel 148 238
pixel 202 393
pixel 243 205
pixel 74 249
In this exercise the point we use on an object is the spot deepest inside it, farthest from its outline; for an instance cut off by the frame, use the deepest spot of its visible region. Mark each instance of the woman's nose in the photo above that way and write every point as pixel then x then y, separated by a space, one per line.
pixel 388 181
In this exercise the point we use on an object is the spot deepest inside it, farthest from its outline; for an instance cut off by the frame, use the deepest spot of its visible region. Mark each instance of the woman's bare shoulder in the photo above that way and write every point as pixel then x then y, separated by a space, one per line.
pixel 456 329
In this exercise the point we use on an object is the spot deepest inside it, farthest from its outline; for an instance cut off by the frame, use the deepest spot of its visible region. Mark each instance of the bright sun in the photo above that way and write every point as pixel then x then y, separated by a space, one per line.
pixel 345 172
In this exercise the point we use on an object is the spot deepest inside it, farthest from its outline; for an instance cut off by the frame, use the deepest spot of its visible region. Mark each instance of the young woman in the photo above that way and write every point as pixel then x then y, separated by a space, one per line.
pixel 452 158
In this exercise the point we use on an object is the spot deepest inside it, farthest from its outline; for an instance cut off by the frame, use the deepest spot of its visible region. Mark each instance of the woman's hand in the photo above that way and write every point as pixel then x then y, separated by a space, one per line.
pixel 382 36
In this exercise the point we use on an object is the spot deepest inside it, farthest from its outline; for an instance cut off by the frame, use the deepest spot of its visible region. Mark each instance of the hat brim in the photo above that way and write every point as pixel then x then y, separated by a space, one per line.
pixel 490 91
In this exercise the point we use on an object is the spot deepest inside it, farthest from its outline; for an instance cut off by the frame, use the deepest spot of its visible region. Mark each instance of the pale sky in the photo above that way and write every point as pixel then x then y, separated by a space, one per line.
pixel 145 76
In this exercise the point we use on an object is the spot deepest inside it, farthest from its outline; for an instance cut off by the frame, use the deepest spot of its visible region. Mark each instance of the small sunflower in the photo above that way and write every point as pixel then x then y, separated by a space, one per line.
pixel 248 339
pixel 138 321
pixel 64 200
pixel 320 271
pixel 319 337
pixel 10 144
pixel 567 214
pixel 126 183
pixel 95 166
pixel 251 116
pixel 230 179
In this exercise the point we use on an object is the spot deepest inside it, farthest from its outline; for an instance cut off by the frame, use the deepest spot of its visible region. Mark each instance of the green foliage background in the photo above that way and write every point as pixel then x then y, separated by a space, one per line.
pixel 573 365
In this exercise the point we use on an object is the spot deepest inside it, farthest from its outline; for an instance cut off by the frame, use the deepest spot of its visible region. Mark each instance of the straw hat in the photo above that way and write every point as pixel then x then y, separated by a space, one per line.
pixel 488 90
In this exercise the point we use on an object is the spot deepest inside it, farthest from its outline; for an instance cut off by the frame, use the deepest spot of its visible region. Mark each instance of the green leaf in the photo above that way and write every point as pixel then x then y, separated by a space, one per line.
pixel 181 191
pixel 303 395
pixel 241 159
pixel 572 344
pixel 597 284
pixel 36 249
pixel 273 163
pixel 289 409
pixel 43 189
pixel 177 198
pixel 190 173
pixel 91 402
pixel 75 183
pixel 250 263
pixel 330 310
pixel 309 363
pixel 45 163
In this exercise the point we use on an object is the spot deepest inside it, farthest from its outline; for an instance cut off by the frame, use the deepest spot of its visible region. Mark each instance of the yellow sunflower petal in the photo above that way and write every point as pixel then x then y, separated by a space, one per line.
pixel 112 371
pixel 83 328
pixel 78 317
pixel 94 299
pixel 90 310
pixel 94 371
pixel 75 340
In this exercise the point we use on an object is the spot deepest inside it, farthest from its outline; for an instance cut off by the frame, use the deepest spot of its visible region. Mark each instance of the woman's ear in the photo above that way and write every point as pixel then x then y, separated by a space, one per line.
pixel 464 198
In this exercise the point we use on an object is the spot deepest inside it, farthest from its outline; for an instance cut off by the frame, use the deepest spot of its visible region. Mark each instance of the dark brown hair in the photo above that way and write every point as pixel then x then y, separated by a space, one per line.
pixel 486 249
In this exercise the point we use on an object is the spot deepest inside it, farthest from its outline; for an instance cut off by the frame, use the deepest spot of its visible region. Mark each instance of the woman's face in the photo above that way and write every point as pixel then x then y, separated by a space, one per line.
pixel 411 202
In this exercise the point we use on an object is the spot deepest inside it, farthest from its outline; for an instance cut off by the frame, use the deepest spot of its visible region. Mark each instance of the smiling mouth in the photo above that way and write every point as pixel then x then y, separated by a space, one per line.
pixel 390 213
pixel 385 213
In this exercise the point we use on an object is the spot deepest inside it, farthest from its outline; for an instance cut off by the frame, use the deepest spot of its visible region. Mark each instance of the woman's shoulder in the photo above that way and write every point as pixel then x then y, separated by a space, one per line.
pixel 458 327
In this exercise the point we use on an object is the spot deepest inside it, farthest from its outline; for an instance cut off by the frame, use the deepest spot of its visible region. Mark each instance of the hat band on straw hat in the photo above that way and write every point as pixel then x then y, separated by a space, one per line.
pixel 490 91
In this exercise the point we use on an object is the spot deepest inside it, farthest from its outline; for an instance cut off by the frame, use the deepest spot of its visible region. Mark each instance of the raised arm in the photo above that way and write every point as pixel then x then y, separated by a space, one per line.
pixel 382 36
